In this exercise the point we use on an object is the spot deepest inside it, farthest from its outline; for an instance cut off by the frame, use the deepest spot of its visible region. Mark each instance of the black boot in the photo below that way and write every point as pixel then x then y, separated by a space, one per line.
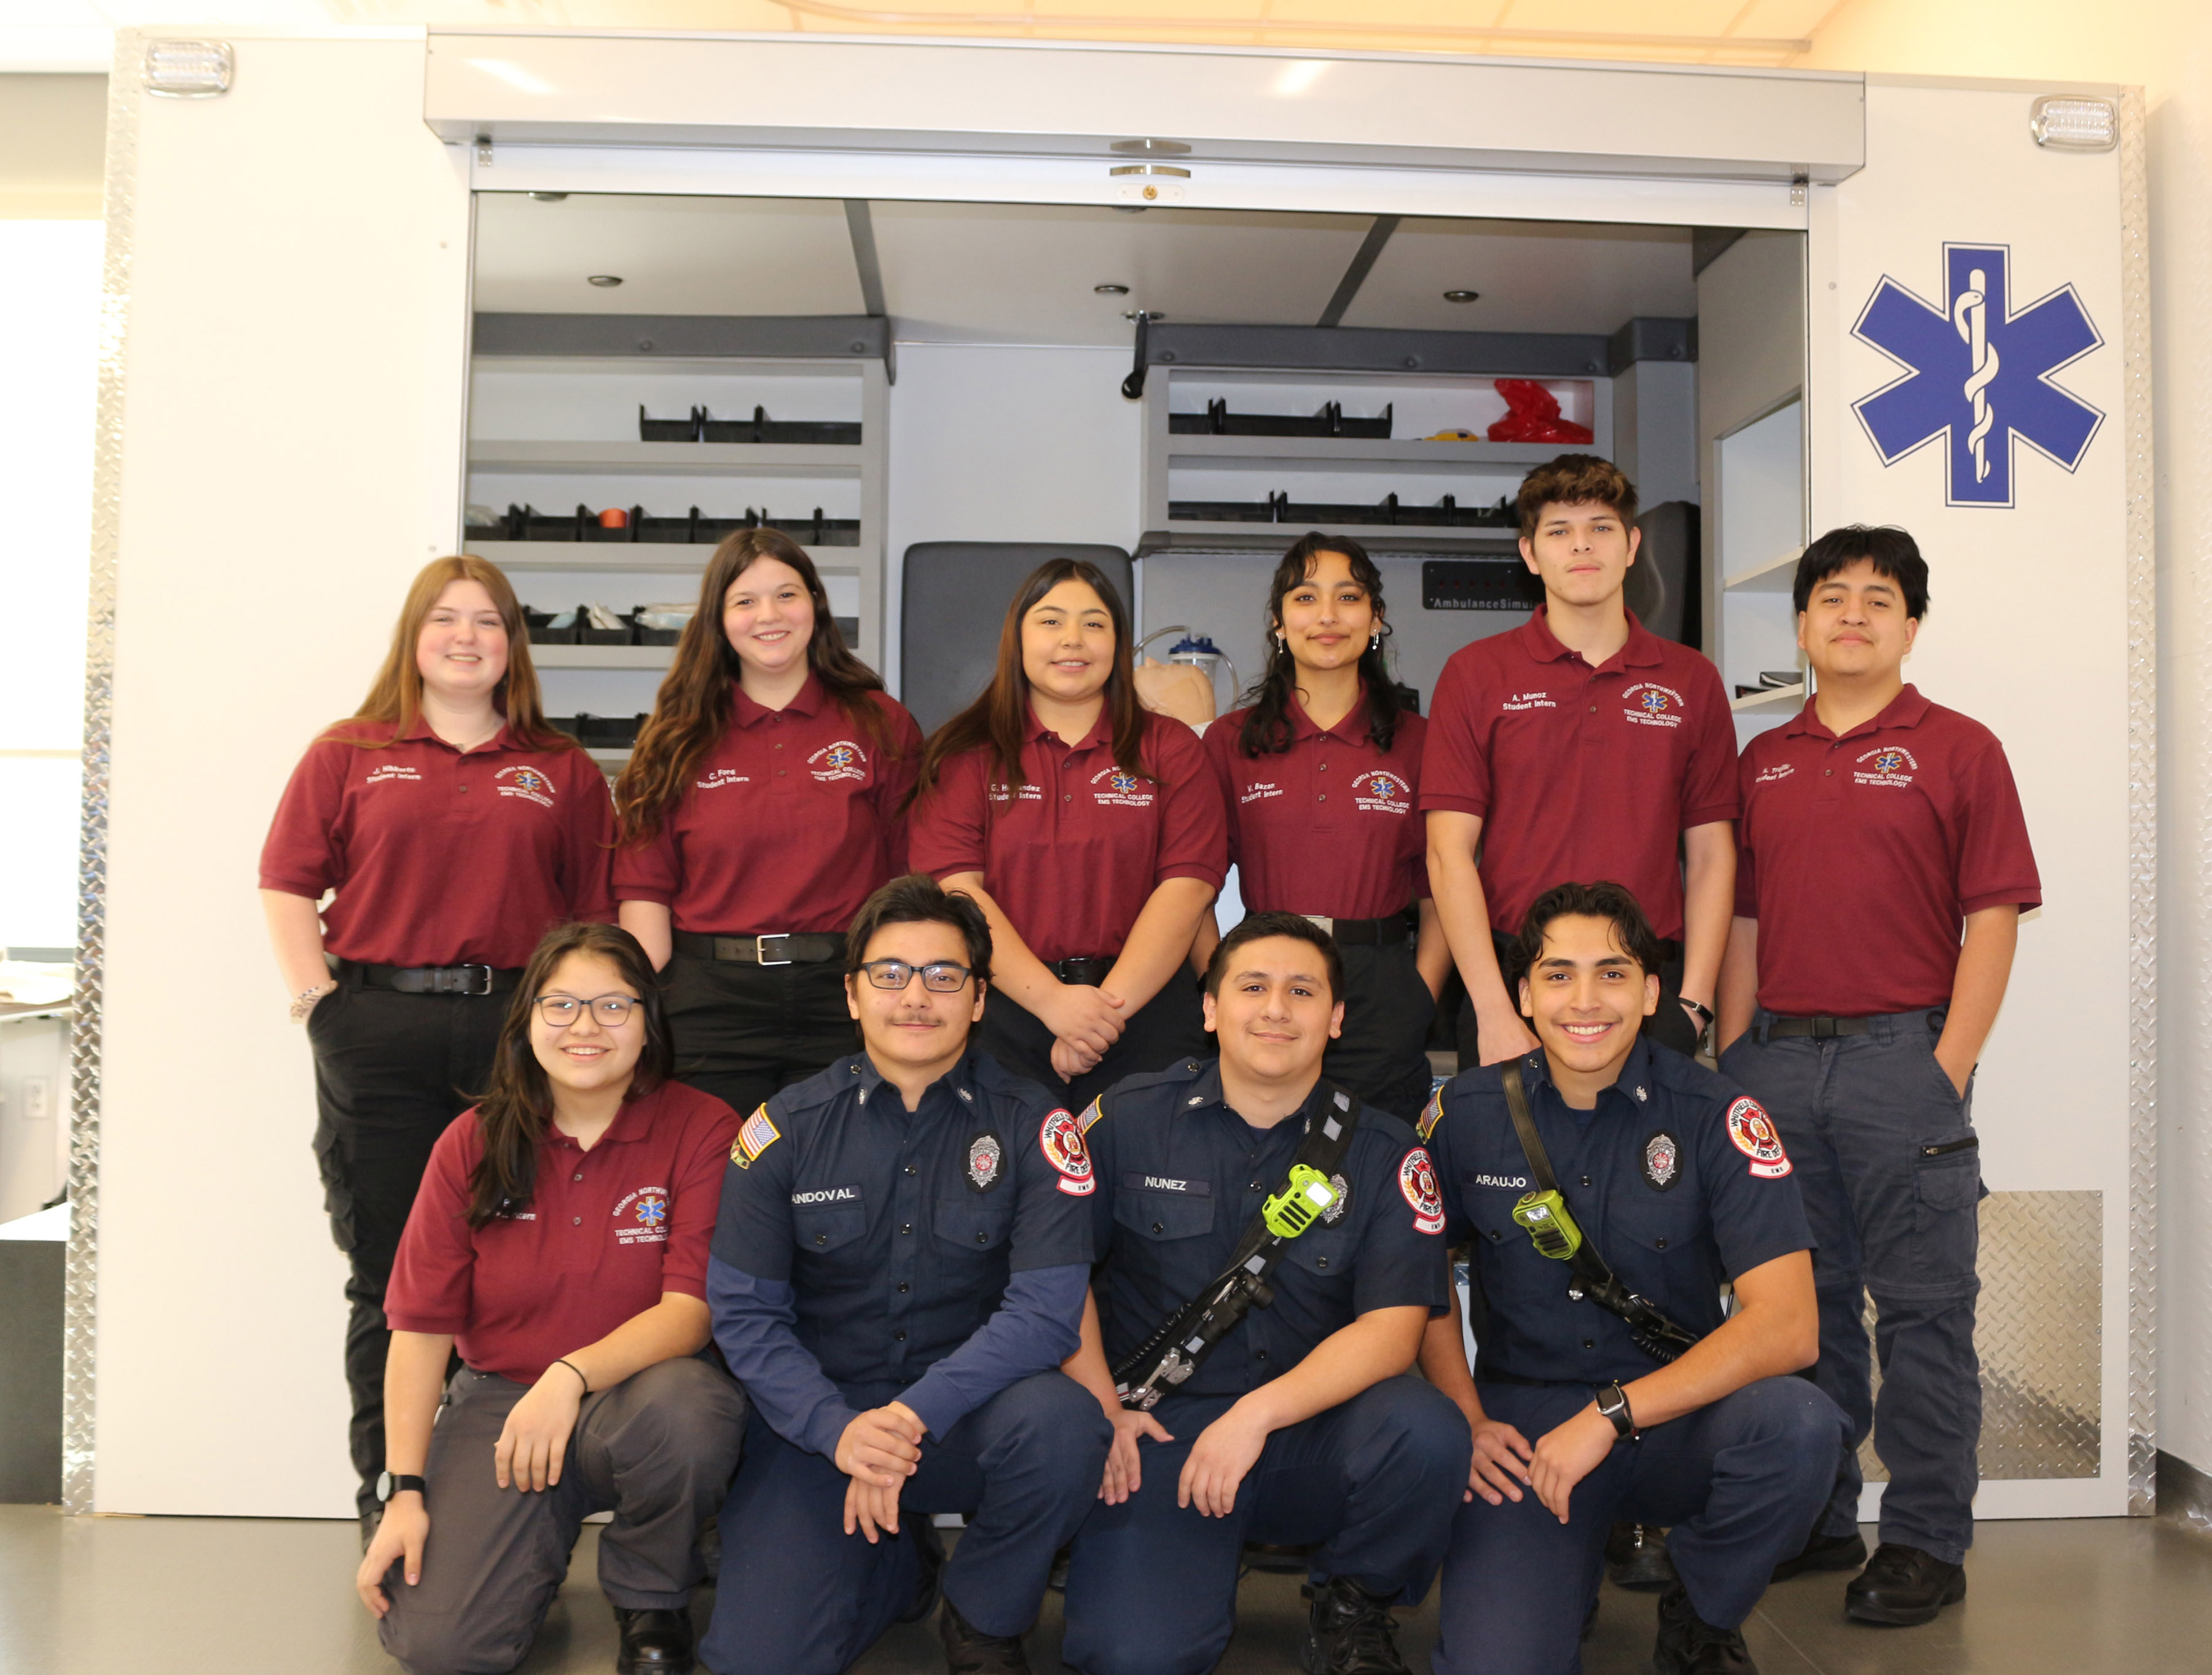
pixel 1824 1553
pixel 653 1642
pixel 970 1651
pixel 1902 1587
pixel 1688 1645
pixel 931 1548
pixel 1636 1555
pixel 1350 1632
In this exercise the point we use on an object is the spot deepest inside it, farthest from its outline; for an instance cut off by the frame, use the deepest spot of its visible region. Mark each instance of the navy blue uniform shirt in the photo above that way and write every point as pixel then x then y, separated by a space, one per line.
pixel 1182 1176
pixel 898 1231
pixel 1677 1177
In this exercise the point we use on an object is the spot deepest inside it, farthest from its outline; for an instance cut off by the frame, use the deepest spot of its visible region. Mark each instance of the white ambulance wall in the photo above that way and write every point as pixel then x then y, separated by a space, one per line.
pixel 2026 633
pixel 290 458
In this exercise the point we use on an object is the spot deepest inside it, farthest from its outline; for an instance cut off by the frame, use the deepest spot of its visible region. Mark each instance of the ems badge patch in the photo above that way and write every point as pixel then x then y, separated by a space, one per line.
pixel 755 1137
pixel 1752 1130
pixel 985 1155
pixel 1061 1140
pixel 1662 1160
pixel 1342 1188
pixel 1431 1114
pixel 1417 1179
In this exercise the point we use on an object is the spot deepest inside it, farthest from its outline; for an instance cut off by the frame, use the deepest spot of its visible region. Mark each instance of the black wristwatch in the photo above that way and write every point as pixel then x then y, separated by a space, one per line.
pixel 1613 1402
pixel 389 1484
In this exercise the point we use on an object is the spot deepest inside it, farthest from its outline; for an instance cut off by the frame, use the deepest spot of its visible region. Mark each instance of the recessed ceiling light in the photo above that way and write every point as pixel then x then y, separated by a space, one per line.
pixel 1149 314
pixel 605 281
pixel 549 197
pixel 1150 148
pixel 1462 296
pixel 1111 290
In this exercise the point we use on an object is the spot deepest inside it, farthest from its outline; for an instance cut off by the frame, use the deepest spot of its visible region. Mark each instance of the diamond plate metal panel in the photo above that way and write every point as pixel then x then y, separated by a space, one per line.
pixel 2039 1330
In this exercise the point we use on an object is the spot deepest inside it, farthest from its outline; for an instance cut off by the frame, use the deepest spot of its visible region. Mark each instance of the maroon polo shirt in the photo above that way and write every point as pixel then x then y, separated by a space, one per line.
pixel 1579 774
pixel 1330 826
pixel 791 821
pixel 441 858
pixel 606 1233
pixel 1073 855
pixel 1859 857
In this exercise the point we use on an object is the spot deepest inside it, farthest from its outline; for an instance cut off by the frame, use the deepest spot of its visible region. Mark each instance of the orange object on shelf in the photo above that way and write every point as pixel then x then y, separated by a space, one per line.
pixel 614 518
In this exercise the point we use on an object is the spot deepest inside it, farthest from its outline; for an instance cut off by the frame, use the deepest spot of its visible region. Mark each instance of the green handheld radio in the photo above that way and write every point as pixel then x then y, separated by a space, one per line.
pixel 1306 1197
pixel 1544 1216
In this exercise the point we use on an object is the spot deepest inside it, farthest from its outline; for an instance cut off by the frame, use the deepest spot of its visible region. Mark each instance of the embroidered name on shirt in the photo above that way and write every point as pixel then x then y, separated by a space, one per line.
pixel 1516 1183
pixel 1137 1180
pixel 524 782
pixel 1528 700
pixel 391 770
pixel 1379 792
pixel 1886 766
pixel 843 761
pixel 1781 770
pixel 828 1195
pixel 1026 794
pixel 1259 792
pixel 721 777
pixel 1120 790
pixel 1649 705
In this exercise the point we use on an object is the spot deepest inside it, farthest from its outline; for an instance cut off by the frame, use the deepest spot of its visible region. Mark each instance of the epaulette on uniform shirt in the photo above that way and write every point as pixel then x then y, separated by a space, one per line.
pixel 1182 1074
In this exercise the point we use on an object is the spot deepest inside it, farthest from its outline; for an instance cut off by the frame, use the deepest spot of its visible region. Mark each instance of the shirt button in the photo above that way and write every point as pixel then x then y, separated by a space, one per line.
pixel 1593 709
pixel 1259 1355
pixel 904 1287
pixel 910 1169
pixel 575 1221
pixel 906 1227
pixel 461 788
pixel 1159 1227
pixel 579 1174
pixel 1827 773
pixel 780 773
pixel 1585 1180
pixel 898 1337
pixel 1590 1343
pixel 1321 1262
pixel 824 1238
pixel 1320 767
pixel 1662 1244
pixel 1323 797
pixel 982 1238
pixel 1067 797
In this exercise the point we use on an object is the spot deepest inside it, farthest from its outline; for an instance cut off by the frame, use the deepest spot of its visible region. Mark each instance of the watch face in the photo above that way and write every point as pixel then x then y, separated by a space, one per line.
pixel 384 1485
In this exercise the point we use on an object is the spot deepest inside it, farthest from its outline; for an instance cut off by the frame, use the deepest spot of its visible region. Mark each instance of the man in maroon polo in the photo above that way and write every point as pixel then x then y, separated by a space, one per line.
pixel 1885 863
pixel 1577 746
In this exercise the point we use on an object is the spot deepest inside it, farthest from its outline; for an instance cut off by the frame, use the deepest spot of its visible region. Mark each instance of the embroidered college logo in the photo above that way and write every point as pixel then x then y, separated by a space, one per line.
pixel 843 761
pixel 1417 1180
pixel 1379 791
pixel 1061 1140
pixel 985 1155
pixel 641 1218
pixel 1752 1130
pixel 1653 706
pixel 755 1137
pixel 1886 765
pixel 524 782
pixel 1977 374
pixel 1662 1160
pixel 1116 787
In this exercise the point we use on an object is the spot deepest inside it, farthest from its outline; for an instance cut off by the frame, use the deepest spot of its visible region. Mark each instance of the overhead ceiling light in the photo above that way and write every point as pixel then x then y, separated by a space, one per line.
pixel 1150 148
pixel 550 197
pixel 1149 314
pixel 605 282
pixel 1462 296
pixel 2075 125
pixel 188 69
pixel 1111 290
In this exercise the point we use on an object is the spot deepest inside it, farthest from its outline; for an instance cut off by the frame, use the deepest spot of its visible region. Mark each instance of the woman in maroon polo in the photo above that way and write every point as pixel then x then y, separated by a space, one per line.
pixel 762 808
pixel 559 1244
pixel 1091 833
pixel 1321 776
pixel 455 827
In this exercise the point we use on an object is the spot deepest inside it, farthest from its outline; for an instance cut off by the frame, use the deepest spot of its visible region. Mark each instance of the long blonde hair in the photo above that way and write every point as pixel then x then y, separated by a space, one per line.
pixel 396 698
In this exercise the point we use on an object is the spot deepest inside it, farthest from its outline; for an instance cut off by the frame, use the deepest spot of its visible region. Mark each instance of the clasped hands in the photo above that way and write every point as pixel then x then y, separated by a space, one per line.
pixel 1084 1020
pixel 878 1453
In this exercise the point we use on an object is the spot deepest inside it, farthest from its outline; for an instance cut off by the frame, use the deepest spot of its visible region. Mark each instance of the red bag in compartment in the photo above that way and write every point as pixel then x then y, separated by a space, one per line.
pixel 1532 415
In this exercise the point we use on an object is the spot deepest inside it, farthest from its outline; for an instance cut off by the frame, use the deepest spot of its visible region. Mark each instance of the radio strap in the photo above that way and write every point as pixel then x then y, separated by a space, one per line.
pixel 1654 1334
pixel 1183 1342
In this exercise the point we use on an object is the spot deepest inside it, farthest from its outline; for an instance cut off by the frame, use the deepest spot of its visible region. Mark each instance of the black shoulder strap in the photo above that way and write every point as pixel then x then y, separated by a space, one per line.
pixel 1654 1334
pixel 1181 1343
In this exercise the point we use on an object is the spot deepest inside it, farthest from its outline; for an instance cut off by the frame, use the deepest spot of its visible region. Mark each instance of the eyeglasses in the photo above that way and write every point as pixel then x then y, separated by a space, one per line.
pixel 939 975
pixel 560 1010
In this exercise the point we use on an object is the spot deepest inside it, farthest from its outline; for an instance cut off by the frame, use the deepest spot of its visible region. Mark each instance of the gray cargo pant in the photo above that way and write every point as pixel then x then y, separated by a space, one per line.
pixel 658 1450
pixel 1885 1152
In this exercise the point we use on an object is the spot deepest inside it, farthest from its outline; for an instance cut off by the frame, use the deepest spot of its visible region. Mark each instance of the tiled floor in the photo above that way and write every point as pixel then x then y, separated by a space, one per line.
pixel 204 1596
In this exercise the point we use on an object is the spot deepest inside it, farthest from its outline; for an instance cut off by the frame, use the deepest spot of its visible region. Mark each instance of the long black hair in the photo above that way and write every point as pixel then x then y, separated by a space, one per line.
pixel 514 1114
pixel 1267 728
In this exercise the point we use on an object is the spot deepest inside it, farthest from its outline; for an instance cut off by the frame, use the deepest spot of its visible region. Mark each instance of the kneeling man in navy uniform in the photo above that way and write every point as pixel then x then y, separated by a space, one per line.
pixel 1270 1255
pixel 900 1266
pixel 1604 1216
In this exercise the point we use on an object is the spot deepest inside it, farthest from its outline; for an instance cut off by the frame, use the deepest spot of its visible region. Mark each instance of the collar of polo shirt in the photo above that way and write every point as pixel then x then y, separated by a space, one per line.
pixel 1643 649
pixel 959 1080
pixel 1635 1075
pixel 807 700
pixel 1353 727
pixel 1907 709
pixel 501 740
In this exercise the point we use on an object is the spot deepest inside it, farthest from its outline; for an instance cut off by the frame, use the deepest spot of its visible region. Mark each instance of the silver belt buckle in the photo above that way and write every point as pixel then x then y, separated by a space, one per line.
pixel 486 979
pixel 760 949
pixel 1326 924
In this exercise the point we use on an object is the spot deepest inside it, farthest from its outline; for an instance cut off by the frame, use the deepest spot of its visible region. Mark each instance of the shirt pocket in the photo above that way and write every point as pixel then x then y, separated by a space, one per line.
pixel 973 1226
pixel 831 1237
pixel 1161 1217
pixel 1325 1252
pixel 1649 1246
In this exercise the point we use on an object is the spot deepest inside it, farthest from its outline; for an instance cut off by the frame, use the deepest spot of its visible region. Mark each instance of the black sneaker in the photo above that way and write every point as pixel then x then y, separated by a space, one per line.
pixel 653 1642
pixel 1351 1632
pixel 1636 1557
pixel 931 1547
pixel 1688 1645
pixel 1824 1553
pixel 970 1651
pixel 1902 1587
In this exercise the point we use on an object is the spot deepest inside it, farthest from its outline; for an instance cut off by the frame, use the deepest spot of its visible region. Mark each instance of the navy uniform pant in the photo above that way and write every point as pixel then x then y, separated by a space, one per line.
pixel 1737 1485
pixel 1152 1588
pixel 798 1596
pixel 1886 1157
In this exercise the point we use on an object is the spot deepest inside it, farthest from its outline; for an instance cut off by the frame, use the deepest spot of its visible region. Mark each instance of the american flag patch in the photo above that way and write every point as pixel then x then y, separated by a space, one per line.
pixel 1090 1114
pixel 755 1137
pixel 1431 1116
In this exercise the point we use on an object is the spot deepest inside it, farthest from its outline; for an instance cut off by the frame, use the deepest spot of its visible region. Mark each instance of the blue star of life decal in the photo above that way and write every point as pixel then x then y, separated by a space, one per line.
pixel 1977 374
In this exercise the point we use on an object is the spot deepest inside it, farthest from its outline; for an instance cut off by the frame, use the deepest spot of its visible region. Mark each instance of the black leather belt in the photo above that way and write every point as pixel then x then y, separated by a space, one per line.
pixel 434 979
pixel 775 948
pixel 1818 1028
pixel 1090 969
pixel 1367 933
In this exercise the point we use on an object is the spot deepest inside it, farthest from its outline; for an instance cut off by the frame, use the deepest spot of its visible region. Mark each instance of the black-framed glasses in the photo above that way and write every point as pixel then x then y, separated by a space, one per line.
pixel 560 1010
pixel 941 976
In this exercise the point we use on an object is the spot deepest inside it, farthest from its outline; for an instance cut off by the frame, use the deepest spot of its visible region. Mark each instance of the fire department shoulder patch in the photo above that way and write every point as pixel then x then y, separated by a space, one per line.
pixel 1754 1132
pixel 1417 1179
pixel 1061 1140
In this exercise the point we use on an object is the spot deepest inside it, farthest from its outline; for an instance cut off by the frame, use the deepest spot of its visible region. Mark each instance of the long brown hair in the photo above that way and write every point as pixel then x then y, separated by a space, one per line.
pixel 1267 727
pixel 396 699
pixel 1000 716
pixel 517 1109
pixel 692 709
